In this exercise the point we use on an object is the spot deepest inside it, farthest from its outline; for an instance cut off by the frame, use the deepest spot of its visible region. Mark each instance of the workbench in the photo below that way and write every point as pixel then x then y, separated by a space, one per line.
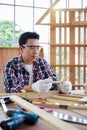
pixel 42 123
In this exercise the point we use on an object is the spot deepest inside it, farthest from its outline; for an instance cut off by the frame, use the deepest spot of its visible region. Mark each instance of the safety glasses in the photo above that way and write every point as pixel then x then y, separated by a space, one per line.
pixel 32 47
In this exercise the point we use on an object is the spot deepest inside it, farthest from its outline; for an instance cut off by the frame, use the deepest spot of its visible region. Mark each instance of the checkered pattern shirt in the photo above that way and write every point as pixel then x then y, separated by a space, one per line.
pixel 16 76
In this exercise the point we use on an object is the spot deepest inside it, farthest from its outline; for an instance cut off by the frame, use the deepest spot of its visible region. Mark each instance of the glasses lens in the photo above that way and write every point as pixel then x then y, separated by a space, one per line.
pixel 33 47
pixel 38 48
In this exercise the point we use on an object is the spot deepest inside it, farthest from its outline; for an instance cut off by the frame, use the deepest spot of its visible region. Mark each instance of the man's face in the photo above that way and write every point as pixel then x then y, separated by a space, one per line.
pixel 31 50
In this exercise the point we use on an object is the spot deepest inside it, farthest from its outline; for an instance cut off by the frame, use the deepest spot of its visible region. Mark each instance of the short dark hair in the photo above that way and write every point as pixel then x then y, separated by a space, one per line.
pixel 27 35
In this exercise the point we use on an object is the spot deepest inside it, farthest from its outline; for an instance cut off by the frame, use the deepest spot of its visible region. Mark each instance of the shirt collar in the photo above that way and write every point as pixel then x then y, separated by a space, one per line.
pixel 21 63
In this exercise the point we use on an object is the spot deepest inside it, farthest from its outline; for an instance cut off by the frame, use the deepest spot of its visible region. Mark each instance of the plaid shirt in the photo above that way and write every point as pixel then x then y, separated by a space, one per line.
pixel 16 76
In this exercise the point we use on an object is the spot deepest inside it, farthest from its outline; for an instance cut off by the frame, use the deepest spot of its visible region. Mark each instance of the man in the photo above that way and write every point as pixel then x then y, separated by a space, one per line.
pixel 28 71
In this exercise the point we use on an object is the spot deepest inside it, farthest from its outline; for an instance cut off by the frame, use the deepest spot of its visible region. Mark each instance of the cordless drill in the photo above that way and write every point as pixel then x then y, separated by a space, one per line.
pixel 18 117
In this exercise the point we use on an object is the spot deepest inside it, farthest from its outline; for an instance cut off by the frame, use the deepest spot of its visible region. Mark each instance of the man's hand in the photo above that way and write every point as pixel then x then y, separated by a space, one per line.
pixel 66 87
pixel 42 85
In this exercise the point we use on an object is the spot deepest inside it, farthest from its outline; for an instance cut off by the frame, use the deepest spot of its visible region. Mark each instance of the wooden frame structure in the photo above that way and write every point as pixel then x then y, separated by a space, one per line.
pixel 68 42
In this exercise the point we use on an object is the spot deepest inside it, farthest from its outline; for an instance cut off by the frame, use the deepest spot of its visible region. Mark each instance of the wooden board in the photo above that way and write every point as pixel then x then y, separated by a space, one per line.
pixel 31 95
pixel 68 99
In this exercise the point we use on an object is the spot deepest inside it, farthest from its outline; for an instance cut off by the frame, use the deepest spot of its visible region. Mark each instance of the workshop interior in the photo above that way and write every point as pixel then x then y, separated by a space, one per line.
pixel 52 92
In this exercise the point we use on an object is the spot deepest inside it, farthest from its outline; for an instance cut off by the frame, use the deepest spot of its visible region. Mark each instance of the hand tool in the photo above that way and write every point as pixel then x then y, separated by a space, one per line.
pixel 3 105
pixel 69 118
pixel 17 118
pixel 66 117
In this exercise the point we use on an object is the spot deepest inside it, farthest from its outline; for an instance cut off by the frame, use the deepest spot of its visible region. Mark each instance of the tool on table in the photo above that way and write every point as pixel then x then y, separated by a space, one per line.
pixel 65 117
pixel 69 118
pixel 50 104
pixel 17 118
pixel 3 105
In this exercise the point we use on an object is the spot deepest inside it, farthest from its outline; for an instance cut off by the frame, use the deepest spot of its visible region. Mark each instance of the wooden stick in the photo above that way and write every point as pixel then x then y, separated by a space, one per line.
pixel 58 82
pixel 82 113
pixel 68 99
pixel 32 95
pixel 73 95
pixel 55 122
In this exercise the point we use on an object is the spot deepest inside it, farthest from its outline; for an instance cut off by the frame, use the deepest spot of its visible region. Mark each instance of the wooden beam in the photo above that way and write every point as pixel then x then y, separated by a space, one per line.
pixel 68 99
pixel 55 122
pixel 46 13
pixel 69 45
pixel 68 65
pixel 75 24
pixel 53 40
pixel 71 9
pixel 31 95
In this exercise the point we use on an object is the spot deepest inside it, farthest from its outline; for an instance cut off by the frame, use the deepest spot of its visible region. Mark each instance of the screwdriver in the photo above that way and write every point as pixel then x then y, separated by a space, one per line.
pixel 17 118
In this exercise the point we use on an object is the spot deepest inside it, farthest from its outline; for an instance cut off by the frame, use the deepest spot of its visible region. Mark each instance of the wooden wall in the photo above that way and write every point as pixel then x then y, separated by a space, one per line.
pixel 6 54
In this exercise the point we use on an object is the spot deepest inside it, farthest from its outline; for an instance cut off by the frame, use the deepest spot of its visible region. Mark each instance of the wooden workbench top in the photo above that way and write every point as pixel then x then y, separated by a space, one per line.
pixel 42 124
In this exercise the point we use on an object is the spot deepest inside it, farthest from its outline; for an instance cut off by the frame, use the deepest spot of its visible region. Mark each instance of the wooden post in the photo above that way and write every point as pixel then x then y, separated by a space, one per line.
pixel 72 49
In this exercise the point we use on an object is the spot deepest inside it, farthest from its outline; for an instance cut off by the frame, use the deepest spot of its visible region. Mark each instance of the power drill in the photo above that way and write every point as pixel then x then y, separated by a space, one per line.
pixel 18 117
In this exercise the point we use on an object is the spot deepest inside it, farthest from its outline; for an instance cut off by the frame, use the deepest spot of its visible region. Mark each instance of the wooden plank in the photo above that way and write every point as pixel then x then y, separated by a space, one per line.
pixel 68 99
pixel 65 49
pixel 79 24
pixel 69 45
pixel 32 95
pixel 55 122
pixel 60 48
pixel 72 49
pixel 61 65
pixel 72 9
pixel 74 95
pixel 53 40
pixel 84 71
pixel 80 112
